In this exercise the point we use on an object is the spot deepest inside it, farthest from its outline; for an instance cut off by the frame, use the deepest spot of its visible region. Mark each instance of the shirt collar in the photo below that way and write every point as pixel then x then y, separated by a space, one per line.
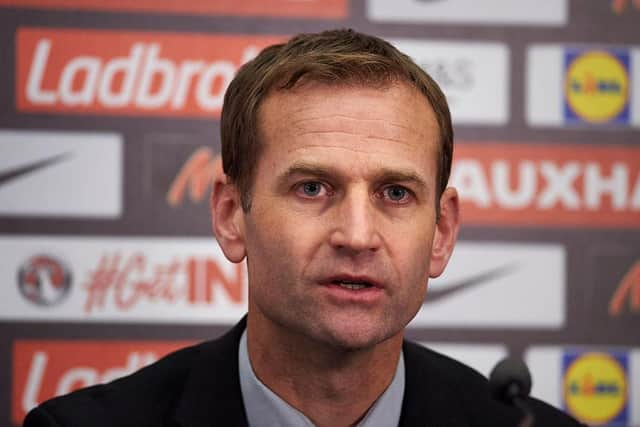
pixel 265 408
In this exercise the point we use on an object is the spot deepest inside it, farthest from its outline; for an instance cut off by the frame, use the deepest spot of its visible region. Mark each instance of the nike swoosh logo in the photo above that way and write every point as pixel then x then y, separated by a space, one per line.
pixel 11 174
pixel 473 281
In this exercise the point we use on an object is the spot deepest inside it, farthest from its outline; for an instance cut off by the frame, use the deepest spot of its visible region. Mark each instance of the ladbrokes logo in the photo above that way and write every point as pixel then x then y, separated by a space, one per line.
pixel 44 280
pixel 628 291
pixel 595 387
pixel 597 86
pixel 313 9
pixel 108 72
pixel 44 369
pixel 568 185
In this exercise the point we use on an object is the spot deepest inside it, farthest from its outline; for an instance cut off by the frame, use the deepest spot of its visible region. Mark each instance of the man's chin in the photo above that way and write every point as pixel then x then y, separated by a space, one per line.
pixel 354 338
pixel 339 331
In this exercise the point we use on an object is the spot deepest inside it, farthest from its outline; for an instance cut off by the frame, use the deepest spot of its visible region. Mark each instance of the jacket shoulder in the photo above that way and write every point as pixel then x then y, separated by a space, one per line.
pixel 439 387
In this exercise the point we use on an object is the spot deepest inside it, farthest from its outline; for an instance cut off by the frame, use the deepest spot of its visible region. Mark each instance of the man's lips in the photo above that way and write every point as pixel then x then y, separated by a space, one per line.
pixel 353 289
pixel 352 282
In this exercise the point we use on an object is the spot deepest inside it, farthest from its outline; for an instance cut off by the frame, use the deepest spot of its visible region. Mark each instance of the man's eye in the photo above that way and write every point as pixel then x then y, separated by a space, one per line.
pixel 396 193
pixel 311 189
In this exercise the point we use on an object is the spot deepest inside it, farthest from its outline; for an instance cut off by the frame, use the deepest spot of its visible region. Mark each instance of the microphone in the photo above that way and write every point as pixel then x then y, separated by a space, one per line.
pixel 510 382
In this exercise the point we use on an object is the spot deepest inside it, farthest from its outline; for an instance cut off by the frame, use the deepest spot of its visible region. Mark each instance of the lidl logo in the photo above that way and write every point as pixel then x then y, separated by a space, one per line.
pixel 596 86
pixel 595 387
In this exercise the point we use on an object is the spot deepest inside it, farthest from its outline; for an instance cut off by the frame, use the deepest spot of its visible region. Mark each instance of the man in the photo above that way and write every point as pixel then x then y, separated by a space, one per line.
pixel 336 150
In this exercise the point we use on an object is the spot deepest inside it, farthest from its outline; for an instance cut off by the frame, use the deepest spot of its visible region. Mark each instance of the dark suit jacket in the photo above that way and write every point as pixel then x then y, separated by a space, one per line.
pixel 199 386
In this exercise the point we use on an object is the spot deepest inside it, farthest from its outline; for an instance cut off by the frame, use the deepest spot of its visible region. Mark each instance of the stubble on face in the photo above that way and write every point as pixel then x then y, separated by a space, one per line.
pixel 354 142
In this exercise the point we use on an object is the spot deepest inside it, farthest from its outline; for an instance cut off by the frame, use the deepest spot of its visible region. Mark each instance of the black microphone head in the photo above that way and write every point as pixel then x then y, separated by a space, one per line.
pixel 510 379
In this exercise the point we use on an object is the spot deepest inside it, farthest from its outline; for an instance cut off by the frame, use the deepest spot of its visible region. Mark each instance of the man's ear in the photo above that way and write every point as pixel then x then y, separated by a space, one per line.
pixel 446 232
pixel 227 219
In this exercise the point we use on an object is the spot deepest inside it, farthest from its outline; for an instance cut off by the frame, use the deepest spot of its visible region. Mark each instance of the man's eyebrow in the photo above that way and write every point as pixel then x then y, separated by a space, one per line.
pixel 384 175
pixel 311 169
pixel 395 175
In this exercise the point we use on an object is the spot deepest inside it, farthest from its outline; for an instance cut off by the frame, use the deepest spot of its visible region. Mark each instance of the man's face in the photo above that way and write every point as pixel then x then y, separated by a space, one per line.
pixel 340 233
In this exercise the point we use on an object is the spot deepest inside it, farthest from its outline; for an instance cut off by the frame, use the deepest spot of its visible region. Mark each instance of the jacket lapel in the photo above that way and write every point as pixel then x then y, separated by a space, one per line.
pixel 441 392
pixel 427 401
pixel 212 396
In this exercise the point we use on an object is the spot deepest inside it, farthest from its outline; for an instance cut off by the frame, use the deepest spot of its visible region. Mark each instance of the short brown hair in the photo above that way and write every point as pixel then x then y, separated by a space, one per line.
pixel 333 57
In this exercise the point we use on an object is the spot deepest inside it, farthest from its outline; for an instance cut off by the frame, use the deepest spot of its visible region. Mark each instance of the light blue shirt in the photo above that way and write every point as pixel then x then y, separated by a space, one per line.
pixel 266 409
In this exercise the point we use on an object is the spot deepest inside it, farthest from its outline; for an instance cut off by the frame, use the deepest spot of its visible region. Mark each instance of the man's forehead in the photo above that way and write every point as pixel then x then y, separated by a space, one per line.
pixel 358 130
pixel 317 105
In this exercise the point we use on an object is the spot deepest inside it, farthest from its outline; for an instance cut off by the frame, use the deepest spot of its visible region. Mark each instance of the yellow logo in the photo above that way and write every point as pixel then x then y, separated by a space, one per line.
pixel 595 389
pixel 596 86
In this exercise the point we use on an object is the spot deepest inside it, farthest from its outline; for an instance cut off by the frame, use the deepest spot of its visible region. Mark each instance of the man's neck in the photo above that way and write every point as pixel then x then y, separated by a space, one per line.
pixel 329 385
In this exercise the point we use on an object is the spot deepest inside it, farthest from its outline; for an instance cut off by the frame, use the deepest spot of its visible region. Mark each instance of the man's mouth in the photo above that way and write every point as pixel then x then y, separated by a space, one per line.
pixel 354 289
pixel 352 284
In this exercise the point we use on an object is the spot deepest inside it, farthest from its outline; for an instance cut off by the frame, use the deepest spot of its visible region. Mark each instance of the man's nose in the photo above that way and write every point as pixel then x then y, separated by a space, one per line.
pixel 356 227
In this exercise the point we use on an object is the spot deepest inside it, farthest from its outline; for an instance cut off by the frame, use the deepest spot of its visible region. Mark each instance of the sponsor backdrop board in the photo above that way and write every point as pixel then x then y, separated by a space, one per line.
pixel 109 137
pixel 118 279
pixel 598 385
pixel 56 174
